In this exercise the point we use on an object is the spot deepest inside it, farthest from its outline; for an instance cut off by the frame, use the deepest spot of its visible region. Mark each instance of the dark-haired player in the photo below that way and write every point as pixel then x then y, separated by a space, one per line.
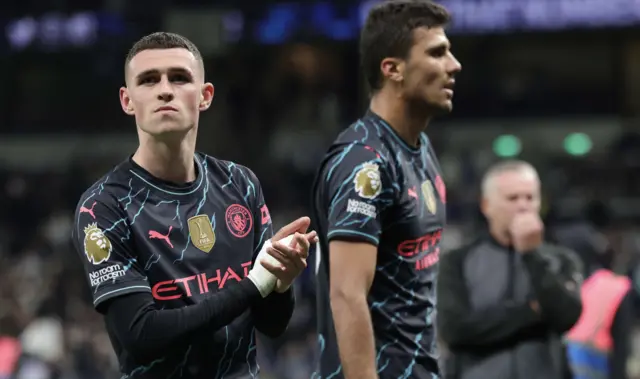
pixel 176 243
pixel 379 204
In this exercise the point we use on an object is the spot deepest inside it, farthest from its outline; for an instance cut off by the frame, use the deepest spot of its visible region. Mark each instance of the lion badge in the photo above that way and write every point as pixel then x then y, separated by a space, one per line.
pixel 97 246
pixel 367 181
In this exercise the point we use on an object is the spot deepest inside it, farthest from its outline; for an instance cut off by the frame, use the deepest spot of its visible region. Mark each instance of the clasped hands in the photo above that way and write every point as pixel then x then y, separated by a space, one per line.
pixel 285 254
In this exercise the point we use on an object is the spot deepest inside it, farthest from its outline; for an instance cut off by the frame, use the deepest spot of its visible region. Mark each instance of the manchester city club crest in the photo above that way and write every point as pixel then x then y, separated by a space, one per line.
pixel 202 234
pixel 429 196
pixel 239 220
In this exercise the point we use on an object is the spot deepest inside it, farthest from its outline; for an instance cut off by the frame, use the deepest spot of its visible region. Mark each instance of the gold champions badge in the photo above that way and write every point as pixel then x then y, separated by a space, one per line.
pixel 202 235
pixel 429 196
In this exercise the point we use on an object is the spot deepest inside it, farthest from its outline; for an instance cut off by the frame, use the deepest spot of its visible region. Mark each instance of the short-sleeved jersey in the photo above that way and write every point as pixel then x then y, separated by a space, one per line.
pixel 137 233
pixel 373 187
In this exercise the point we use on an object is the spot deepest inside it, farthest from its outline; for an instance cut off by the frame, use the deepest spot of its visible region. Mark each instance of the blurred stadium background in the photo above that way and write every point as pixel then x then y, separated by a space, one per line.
pixel 555 82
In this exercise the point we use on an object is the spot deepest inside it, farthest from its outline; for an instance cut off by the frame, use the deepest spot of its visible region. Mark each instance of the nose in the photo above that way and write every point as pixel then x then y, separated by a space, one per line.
pixel 166 90
pixel 455 65
pixel 524 205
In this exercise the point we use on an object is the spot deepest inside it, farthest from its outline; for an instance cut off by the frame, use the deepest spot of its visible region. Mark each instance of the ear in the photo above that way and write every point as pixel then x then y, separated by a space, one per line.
pixel 125 101
pixel 484 206
pixel 393 69
pixel 206 96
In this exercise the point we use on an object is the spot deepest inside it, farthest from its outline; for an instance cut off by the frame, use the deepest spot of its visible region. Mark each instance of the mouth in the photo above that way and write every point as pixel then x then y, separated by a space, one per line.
pixel 448 88
pixel 166 109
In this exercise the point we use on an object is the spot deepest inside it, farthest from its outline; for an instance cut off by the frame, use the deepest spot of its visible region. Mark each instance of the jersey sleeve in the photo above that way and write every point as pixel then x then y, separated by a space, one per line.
pixel 102 238
pixel 358 188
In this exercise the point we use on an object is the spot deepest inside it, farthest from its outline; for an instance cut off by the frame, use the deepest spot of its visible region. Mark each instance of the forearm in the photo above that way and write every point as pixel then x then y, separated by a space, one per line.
pixel 558 295
pixel 144 330
pixel 487 327
pixel 354 332
pixel 461 325
pixel 273 313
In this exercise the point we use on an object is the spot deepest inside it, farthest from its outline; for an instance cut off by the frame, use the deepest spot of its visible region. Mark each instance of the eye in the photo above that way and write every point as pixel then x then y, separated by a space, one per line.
pixel 438 52
pixel 147 80
pixel 180 78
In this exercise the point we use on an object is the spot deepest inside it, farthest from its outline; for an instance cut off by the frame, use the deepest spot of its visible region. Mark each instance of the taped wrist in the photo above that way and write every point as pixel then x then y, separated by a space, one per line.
pixel 264 280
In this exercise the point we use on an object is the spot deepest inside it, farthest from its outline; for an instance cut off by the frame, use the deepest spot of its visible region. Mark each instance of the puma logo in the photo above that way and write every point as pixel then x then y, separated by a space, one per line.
pixel 157 235
pixel 412 192
pixel 84 209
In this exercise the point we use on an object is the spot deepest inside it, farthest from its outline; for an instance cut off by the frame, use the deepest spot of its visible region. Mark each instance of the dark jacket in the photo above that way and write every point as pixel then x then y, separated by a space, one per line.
pixel 485 315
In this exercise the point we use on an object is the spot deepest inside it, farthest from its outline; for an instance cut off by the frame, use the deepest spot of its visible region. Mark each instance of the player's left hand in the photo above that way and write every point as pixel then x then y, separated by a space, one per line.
pixel 291 258
pixel 527 231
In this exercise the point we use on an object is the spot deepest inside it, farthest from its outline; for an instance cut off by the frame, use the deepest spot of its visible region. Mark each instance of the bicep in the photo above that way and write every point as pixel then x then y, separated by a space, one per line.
pixel 352 267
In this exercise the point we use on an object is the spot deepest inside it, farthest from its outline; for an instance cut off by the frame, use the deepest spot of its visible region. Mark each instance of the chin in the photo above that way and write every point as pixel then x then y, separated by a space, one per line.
pixel 441 108
pixel 447 107
pixel 167 129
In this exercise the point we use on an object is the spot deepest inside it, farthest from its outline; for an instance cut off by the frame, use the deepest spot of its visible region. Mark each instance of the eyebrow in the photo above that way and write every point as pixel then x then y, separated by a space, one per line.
pixel 172 70
pixel 439 45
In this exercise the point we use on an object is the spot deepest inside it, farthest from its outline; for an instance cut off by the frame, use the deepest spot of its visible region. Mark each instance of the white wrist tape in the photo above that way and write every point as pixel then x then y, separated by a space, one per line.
pixel 267 257
pixel 260 276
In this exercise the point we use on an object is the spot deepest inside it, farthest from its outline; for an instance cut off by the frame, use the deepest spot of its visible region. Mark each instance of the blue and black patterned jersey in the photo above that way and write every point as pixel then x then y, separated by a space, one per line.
pixel 373 187
pixel 180 243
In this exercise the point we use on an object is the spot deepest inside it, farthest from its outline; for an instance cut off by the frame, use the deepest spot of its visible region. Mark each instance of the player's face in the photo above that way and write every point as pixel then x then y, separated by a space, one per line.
pixel 510 193
pixel 165 91
pixel 430 69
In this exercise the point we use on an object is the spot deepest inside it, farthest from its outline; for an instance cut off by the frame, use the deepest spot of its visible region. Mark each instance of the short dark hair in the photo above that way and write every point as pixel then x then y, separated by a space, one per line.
pixel 162 40
pixel 388 32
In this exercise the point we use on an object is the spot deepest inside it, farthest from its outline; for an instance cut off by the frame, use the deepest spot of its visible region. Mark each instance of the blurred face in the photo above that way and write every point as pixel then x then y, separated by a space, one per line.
pixel 509 193
pixel 427 75
pixel 165 91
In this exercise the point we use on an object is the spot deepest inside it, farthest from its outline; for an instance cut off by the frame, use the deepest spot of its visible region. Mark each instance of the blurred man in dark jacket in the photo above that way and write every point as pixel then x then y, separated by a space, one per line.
pixel 599 345
pixel 505 301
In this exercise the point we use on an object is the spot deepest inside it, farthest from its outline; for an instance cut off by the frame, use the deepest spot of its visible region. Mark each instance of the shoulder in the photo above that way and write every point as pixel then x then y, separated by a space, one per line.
pixel 428 146
pixel 354 156
pixel 107 190
pixel 567 259
pixel 239 182
pixel 561 252
pixel 233 173
pixel 102 207
pixel 457 256
pixel 357 167
pixel 362 135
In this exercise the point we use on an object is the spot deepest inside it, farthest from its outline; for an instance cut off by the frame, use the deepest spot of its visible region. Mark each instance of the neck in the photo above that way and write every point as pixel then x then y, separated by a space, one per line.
pixel 500 236
pixel 405 119
pixel 167 159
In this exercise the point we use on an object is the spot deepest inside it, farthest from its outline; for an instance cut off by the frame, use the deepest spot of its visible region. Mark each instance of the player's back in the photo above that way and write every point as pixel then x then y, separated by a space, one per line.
pixel 181 243
pixel 373 187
